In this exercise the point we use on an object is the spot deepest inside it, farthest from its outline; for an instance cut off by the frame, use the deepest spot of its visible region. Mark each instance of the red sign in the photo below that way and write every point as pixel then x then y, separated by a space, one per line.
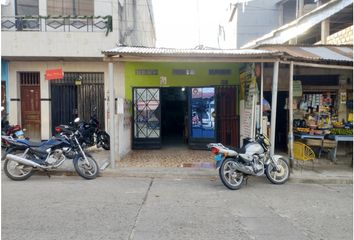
pixel 52 74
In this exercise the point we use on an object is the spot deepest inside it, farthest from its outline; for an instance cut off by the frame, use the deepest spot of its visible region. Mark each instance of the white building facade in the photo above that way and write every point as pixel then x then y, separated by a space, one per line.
pixel 41 35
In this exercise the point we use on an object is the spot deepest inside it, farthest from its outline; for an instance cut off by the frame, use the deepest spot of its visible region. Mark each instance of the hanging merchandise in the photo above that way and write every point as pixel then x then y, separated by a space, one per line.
pixel 320 115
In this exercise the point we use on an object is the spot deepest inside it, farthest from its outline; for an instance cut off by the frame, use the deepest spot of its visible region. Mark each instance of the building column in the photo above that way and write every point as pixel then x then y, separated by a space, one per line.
pixel 46 114
pixel 14 111
pixel 324 31
pixel 342 96
pixel 291 116
pixel 274 106
pixel 112 115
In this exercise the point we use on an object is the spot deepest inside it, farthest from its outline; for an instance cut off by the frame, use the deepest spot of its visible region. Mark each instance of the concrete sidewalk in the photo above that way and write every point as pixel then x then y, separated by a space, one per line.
pixel 320 174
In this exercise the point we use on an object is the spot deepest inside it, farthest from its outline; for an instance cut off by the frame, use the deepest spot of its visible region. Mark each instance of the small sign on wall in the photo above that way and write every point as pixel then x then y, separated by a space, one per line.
pixel 54 74
pixel 297 89
pixel 343 97
pixel 163 80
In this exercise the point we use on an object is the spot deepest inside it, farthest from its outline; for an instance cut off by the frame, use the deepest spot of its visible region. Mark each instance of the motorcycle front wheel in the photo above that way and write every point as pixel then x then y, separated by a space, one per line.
pixel 281 176
pixel 229 176
pixel 17 171
pixel 86 170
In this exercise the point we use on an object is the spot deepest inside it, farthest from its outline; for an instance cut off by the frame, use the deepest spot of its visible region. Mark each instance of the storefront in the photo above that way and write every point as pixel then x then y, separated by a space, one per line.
pixel 151 79
pixel 322 109
pixel 176 103
pixel 177 96
pixel 323 113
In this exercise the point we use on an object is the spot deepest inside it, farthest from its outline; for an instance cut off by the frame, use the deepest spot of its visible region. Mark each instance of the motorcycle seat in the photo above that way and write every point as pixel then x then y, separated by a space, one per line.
pixel 30 143
pixel 239 150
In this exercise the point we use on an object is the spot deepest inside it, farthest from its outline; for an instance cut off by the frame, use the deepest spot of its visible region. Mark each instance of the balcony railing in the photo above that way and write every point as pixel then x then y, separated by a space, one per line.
pixel 57 23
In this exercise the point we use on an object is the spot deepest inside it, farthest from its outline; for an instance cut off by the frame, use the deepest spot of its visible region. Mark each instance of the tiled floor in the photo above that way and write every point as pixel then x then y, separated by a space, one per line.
pixel 183 157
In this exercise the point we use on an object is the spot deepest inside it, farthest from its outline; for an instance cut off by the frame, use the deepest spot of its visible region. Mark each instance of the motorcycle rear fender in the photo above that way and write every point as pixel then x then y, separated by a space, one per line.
pixel 14 142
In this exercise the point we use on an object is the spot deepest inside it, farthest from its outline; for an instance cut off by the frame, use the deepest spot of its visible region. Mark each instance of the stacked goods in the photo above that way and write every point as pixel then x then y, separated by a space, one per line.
pixel 302 130
pixel 341 131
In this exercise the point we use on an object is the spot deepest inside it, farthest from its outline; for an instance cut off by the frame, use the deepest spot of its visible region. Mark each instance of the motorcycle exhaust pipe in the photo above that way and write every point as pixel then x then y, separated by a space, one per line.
pixel 23 161
pixel 244 169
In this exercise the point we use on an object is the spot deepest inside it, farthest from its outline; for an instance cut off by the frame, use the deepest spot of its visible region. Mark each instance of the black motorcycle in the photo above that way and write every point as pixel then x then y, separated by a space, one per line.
pixel 90 133
pixel 24 156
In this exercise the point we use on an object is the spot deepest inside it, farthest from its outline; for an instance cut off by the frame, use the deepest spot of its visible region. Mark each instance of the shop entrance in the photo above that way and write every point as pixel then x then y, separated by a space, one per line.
pixel 174 110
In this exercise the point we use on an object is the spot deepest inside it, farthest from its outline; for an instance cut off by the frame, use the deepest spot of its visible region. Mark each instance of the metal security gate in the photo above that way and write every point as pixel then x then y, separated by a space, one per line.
pixel 64 101
pixel 228 131
pixel 76 95
pixel 147 118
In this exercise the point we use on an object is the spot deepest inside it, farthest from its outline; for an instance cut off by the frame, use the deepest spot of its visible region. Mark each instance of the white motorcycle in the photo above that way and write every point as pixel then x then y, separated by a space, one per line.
pixel 253 158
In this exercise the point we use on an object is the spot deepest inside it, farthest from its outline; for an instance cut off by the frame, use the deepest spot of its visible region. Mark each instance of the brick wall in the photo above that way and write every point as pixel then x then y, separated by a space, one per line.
pixel 342 37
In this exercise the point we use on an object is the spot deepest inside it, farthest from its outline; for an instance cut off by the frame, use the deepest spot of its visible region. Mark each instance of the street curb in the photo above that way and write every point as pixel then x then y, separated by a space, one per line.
pixel 194 175
pixel 321 180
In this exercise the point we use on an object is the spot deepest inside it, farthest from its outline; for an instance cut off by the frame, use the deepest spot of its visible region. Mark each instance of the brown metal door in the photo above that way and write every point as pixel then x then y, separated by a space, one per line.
pixel 30 104
pixel 228 131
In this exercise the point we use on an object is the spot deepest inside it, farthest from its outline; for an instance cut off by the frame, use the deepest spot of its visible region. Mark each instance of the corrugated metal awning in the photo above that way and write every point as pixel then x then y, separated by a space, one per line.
pixel 300 25
pixel 314 53
pixel 319 54
pixel 174 52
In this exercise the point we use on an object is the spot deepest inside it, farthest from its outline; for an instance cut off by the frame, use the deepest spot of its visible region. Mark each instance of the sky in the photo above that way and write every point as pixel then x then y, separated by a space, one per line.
pixel 188 23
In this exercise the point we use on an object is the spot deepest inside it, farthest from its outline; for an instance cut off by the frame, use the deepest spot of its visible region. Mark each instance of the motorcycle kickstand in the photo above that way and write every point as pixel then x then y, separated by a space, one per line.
pixel 47 173
pixel 246 180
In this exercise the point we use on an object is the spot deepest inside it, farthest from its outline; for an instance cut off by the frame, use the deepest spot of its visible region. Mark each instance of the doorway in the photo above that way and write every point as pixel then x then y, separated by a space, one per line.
pixel 30 104
pixel 281 127
pixel 77 95
pixel 174 116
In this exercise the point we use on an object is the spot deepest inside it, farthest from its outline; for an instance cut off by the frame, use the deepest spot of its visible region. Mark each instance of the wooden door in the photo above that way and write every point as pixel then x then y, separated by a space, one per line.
pixel 227 118
pixel 30 104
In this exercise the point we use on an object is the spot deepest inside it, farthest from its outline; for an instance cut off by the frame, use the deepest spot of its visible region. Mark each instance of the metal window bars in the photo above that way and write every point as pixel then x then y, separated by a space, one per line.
pixel 57 23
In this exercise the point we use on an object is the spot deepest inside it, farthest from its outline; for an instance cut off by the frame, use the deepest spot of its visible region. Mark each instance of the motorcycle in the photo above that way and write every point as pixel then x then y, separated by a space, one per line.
pixel 91 134
pixel 15 131
pixel 25 157
pixel 11 130
pixel 253 159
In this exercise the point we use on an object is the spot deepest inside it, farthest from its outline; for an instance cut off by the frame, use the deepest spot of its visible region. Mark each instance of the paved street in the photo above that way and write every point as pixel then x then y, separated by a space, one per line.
pixel 68 207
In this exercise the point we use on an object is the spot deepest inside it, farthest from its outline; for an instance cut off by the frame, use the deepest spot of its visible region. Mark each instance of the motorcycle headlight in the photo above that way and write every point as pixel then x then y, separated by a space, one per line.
pixel 266 141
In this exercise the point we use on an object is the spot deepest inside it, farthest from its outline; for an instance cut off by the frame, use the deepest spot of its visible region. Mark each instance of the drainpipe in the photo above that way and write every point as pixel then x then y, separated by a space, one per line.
pixel 274 105
pixel 111 115
pixel 291 116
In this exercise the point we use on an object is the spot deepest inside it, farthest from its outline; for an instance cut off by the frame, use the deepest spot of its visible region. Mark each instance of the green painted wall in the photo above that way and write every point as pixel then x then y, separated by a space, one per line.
pixel 201 77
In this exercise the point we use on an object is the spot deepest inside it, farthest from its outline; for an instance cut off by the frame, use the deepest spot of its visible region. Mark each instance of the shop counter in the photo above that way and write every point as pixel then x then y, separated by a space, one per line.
pixel 339 138
pixel 336 138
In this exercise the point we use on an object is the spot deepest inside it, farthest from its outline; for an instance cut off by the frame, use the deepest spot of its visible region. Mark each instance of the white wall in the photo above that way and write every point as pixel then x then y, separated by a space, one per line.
pixel 137 29
pixel 39 66
pixel 124 138
pixel 55 44
pixel 125 141
pixel 258 18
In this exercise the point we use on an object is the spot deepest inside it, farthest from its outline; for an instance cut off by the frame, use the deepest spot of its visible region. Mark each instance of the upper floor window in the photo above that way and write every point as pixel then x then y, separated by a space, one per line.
pixel 71 7
pixel 27 7
pixel 183 71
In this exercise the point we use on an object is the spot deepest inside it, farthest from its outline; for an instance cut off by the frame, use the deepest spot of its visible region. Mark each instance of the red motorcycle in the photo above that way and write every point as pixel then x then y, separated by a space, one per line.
pixel 14 131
